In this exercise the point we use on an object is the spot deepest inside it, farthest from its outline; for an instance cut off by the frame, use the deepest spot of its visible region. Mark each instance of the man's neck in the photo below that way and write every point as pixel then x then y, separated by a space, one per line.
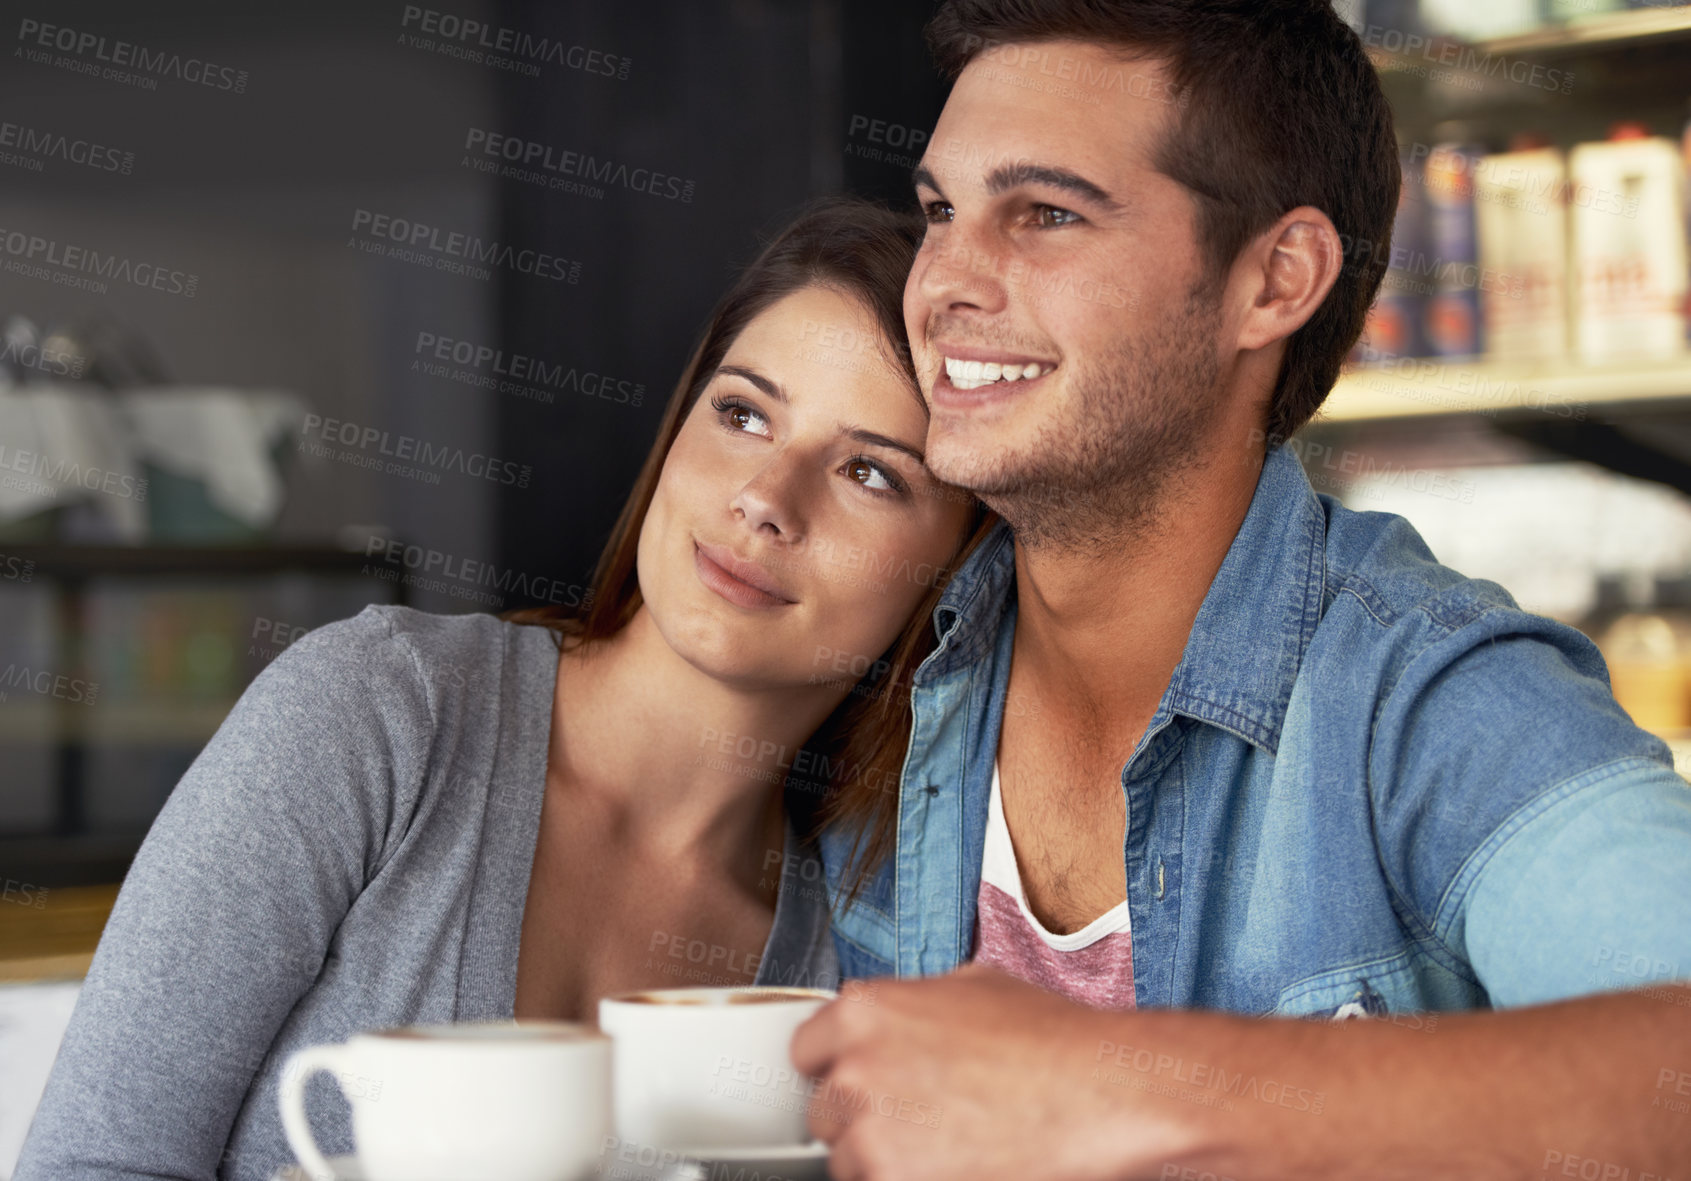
pixel 1100 629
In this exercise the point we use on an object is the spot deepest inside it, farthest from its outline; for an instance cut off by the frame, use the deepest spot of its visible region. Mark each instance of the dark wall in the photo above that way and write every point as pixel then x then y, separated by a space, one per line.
pixel 758 106
pixel 744 110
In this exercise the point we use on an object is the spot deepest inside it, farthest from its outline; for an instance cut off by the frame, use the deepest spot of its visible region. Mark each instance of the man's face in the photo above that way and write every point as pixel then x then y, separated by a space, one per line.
pixel 1055 251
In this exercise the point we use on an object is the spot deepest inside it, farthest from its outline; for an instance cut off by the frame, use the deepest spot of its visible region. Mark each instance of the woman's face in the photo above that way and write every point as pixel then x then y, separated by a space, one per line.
pixel 794 528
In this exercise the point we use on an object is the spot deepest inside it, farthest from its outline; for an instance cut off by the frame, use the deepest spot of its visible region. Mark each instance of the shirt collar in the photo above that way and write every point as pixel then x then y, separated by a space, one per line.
pixel 1250 634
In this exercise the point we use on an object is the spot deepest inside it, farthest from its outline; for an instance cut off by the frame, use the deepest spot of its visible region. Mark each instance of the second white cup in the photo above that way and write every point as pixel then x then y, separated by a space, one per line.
pixel 708 1068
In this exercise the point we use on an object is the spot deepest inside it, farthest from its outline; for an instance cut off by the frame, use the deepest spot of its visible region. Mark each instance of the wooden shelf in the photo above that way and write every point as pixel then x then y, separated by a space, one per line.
pixel 1419 387
pixel 1596 32
pixel 1593 34
pixel 95 561
pixel 55 937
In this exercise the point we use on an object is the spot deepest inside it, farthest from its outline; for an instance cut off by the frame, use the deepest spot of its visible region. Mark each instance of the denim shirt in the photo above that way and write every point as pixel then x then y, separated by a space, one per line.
pixel 1372 785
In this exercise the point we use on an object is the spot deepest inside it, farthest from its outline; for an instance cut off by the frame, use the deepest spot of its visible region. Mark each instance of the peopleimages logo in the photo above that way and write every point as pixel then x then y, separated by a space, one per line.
pixel 413 241
pixel 531 160
pixel 68 474
pixel 47 684
pixel 51 361
pixel 79 44
pixel 16 568
pixel 458 576
pixel 35 257
pixel 437 353
pixel 34 145
pixel 1467 59
pixel 413 450
pixel 483 43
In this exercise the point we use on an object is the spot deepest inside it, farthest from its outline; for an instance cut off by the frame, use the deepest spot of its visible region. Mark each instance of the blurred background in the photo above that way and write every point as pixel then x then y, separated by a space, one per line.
pixel 253 378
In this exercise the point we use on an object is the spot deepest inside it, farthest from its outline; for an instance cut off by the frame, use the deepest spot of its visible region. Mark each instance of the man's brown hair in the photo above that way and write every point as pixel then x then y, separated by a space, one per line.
pixel 1279 107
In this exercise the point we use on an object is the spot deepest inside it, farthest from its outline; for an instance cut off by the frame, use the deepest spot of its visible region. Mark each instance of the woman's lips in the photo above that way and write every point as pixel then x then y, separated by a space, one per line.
pixel 731 578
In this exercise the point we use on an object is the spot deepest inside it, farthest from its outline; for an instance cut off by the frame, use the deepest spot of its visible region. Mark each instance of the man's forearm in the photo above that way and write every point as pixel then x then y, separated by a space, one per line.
pixel 1597 1088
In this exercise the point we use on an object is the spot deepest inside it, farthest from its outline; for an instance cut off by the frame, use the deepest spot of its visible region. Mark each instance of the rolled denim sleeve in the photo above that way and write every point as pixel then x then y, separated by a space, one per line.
pixel 1528 826
pixel 1589 892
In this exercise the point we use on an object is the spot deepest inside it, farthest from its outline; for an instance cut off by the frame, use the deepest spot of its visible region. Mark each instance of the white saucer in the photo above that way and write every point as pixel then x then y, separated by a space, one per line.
pixel 346 1169
pixel 786 1162
pixel 795 1162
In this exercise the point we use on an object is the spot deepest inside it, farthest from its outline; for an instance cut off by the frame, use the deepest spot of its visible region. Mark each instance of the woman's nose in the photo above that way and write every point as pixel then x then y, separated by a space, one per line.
pixel 772 500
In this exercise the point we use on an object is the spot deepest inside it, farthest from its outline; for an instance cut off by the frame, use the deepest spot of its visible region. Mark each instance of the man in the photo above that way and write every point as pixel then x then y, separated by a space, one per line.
pixel 1284 765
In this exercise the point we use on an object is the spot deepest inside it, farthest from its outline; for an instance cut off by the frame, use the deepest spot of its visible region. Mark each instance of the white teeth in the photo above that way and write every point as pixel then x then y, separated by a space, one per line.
pixel 971 375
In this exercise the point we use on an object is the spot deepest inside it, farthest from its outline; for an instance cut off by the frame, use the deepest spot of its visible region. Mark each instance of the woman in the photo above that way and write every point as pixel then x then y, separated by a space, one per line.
pixel 418 818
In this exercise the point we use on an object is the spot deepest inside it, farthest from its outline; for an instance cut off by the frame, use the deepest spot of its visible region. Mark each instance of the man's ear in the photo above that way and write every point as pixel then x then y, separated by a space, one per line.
pixel 1294 264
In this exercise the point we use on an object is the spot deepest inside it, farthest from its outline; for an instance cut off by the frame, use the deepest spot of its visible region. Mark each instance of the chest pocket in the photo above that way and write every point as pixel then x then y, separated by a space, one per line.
pixel 1389 989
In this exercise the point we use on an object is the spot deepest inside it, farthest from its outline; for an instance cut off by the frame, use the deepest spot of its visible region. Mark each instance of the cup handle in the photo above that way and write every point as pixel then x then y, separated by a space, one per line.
pixel 299 1067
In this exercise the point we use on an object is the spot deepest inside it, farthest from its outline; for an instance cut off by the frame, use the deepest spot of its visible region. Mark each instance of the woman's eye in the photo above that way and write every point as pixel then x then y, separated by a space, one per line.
pixel 871 476
pixel 740 417
pixel 1049 216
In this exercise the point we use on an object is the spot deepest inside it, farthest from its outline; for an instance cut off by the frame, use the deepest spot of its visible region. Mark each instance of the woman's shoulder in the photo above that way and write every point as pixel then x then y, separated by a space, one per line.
pixel 439 652
pixel 393 655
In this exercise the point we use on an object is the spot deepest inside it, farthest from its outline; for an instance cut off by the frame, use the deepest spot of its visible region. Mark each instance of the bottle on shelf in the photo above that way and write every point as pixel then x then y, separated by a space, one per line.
pixel 1393 327
pixel 1647 656
pixel 1629 265
pixel 1453 310
pixel 1521 216
pixel 1685 191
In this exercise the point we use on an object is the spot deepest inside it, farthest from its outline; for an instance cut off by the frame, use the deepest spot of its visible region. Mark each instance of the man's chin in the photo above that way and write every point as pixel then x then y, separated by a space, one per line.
pixel 975 464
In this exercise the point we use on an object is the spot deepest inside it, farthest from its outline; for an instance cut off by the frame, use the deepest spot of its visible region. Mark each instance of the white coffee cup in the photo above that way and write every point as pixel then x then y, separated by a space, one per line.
pixel 703 1068
pixel 512 1101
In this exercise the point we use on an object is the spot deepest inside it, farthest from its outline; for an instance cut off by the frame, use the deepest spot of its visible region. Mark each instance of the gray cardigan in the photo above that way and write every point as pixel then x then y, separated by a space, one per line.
pixel 351 850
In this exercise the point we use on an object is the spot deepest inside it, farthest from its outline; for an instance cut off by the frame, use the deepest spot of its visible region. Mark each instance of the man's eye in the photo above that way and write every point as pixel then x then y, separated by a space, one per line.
pixel 1050 217
pixel 938 211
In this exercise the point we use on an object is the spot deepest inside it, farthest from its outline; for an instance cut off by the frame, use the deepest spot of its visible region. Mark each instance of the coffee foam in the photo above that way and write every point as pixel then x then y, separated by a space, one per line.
pixel 502 1032
pixel 719 997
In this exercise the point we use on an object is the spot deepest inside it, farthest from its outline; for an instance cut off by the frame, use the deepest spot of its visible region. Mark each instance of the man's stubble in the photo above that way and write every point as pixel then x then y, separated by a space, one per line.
pixel 1102 468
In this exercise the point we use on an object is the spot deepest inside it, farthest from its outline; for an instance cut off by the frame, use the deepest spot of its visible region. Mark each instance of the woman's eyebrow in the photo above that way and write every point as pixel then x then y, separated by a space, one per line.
pixel 858 434
pixel 855 433
pixel 756 378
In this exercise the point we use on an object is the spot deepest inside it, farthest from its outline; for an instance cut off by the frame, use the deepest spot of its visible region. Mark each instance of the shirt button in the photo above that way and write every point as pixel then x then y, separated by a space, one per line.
pixel 933 789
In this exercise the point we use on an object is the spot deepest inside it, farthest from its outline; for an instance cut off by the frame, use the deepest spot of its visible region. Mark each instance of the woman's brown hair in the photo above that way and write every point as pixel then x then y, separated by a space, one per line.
pixel 863 250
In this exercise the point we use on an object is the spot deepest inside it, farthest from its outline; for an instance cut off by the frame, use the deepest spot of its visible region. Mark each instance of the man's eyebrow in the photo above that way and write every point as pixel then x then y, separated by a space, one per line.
pixel 756 378
pixel 875 440
pixel 1009 176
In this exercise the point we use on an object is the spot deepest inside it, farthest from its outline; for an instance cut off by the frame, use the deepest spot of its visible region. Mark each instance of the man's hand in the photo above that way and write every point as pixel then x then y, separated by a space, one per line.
pixel 978 1075
pixel 974 1074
